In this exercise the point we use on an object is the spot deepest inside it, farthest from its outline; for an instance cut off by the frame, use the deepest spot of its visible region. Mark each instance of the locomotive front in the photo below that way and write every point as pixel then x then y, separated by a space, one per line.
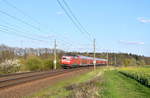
pixel 66 61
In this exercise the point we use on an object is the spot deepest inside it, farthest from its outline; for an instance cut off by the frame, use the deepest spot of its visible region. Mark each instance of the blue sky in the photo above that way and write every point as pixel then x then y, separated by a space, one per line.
pixel 117 25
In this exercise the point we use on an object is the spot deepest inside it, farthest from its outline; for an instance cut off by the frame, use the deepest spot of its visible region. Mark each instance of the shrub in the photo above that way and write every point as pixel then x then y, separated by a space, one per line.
pixel 10 66
pixel 130 62
pixel 47 64
pixel 34 64
pixel 38 64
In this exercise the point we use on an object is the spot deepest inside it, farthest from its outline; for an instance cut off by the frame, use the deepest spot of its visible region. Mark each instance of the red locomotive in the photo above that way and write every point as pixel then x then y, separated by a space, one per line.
pixel 78 61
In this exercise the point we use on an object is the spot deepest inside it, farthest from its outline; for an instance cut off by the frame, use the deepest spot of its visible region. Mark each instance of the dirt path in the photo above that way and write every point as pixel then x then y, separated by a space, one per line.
pixel 34 86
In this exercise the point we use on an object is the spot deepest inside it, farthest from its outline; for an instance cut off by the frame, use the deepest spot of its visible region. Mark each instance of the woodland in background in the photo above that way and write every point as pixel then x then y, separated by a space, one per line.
pixel 29 59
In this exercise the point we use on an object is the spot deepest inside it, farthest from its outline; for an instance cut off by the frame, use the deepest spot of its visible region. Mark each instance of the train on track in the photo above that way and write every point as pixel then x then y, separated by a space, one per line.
pixel 71 61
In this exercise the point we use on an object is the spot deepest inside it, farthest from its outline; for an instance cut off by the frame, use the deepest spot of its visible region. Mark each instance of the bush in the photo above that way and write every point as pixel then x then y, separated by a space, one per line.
pixel 141 63
pixel 130 62
pixel 58 64
pixel 34 64
pixel 47 64
pixel 10 66
pixel 38 64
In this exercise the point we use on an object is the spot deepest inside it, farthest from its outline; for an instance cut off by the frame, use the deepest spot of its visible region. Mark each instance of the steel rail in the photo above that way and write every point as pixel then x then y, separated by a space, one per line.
pixel 23 78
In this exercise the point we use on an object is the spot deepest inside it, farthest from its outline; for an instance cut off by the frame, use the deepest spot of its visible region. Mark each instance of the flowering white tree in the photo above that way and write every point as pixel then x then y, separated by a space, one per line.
pixel 9 66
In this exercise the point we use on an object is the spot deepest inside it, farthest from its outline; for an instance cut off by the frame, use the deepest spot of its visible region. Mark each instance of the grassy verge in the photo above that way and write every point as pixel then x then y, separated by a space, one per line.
pixel 60 89
pixel 105 82
pixel 116 85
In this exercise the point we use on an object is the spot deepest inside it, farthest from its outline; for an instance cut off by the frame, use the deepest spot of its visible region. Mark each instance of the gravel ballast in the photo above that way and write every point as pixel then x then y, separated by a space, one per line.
pixel 29 88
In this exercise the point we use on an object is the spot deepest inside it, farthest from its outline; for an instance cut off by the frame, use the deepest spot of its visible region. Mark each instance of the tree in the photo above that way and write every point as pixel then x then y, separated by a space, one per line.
pixel 129 62
pixel 140 62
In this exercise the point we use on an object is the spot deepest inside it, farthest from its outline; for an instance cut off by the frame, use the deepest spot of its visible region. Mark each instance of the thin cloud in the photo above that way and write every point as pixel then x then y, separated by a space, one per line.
pixel 131 42
pixel 143 20
pixel 60 13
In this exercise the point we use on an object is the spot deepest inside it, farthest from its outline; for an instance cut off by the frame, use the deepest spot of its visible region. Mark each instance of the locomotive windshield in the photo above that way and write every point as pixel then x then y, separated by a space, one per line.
pixel 66 58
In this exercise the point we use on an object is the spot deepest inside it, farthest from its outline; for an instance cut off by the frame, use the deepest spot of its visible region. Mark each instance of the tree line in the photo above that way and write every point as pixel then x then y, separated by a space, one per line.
pixel 14 59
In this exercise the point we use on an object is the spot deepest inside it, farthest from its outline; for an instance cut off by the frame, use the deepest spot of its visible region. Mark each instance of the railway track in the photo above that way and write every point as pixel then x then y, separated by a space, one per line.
pixel 19 78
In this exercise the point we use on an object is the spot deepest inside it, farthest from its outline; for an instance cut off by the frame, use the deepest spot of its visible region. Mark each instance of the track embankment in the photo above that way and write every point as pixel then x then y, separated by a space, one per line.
pixel 16 86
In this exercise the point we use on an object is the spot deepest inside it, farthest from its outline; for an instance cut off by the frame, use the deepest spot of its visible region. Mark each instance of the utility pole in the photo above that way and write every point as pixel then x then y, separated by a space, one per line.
pixel 94 61
pixel 115 60
pixel 55 61
pixel 107 59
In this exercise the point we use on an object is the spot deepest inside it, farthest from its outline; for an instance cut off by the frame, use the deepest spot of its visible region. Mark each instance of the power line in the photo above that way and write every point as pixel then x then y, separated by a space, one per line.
pixel 68 43
pixel 66 40
pixel 23 13
pixel 20 11
pixel 22 21
pixel 76 19
pixel 24 36
pixel 18 19
pixel 10 26
pixel 6 28
pixel 14 30
pixel 72 20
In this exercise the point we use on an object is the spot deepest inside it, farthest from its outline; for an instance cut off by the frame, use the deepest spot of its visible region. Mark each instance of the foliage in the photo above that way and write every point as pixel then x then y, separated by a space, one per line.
pixel 130 62
pixel 88 89
pixel 47 64
pixel 6 55
pixel 141 62
pixel 10 66
pixel 44 56
pixel 141 74
pixel 34 64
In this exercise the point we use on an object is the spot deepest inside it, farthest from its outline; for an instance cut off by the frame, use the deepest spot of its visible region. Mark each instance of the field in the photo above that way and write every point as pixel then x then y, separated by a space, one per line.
pixel 104 82
pixel 142 75
pixel 117 85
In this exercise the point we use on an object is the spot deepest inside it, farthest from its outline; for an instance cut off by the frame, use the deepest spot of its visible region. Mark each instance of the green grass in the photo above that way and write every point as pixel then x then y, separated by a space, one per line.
pixel 141 74
pixel 105 82
pixel 58 90
pixel 147 66
pixel 116 85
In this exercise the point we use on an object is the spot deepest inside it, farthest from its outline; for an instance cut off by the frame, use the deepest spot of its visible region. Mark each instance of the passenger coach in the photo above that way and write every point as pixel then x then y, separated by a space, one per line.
pixel 77 61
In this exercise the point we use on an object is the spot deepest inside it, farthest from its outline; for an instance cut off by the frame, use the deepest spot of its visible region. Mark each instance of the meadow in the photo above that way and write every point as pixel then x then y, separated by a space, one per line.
pixel 104 82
